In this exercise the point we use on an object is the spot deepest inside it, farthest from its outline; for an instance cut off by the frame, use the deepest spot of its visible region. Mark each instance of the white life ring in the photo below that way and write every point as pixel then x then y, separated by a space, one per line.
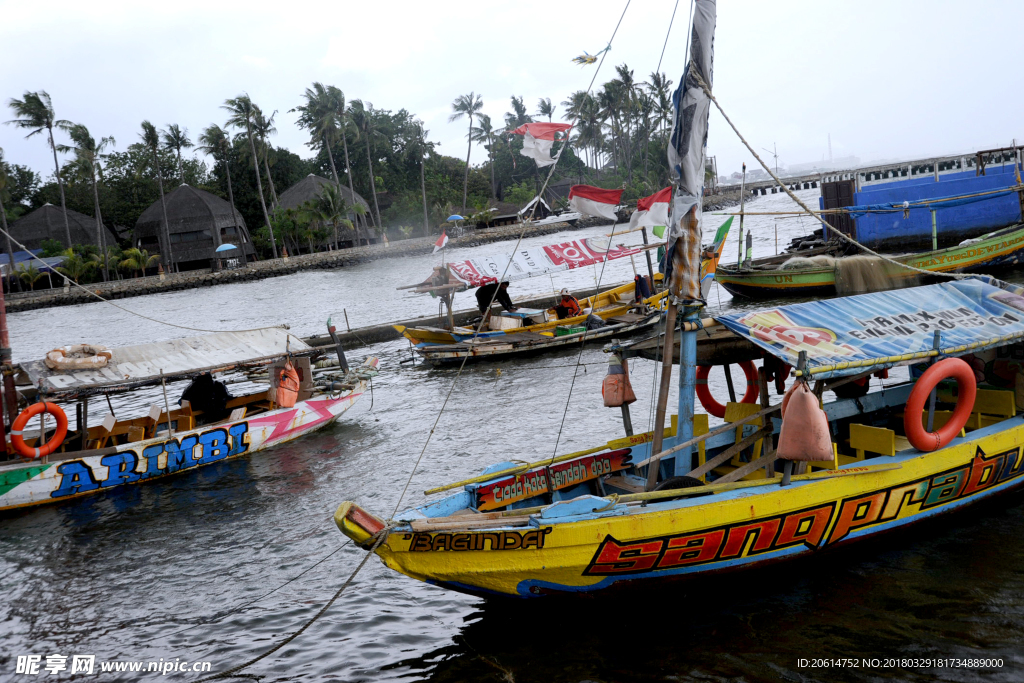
pixel 78 357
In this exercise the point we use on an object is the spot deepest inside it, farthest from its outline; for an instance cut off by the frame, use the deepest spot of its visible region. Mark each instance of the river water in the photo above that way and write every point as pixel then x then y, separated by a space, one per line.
pixel 198 567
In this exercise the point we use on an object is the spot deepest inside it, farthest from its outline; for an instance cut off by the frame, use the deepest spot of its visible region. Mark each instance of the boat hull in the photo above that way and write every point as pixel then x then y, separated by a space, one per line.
pixel 144 461
pixel 739 530
pixel 1005 248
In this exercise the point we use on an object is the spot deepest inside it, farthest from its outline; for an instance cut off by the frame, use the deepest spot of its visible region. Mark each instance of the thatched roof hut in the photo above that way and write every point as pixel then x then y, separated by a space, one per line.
pixel 47 222
pixel 192 217
pixel 308 190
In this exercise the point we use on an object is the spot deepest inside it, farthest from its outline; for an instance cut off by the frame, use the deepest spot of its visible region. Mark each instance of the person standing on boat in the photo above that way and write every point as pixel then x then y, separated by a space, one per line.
pixel 495 291
pixel 567 306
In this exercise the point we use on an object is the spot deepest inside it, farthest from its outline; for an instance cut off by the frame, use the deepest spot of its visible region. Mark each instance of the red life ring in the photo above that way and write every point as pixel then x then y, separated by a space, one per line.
pixel 708 401
pixel 967 390
pixel 55 441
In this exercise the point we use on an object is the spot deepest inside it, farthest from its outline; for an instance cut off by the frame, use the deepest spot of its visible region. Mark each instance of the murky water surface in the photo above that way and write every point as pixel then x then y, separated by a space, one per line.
pixel 184 567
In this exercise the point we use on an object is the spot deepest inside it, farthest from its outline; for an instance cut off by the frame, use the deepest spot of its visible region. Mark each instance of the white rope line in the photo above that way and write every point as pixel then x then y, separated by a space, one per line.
pixel 526 224
pixel 814 214
pixel 108 301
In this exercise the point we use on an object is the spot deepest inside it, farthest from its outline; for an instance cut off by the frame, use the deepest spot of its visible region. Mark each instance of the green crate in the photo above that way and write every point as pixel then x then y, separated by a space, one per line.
pixel 563 330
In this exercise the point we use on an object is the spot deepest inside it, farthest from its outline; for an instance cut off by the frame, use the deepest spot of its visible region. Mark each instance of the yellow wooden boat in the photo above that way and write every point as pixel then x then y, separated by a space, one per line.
pixel 587 521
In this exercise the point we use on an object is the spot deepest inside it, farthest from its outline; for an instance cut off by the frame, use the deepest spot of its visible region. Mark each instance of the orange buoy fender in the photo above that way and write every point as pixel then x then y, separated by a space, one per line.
pixel 708 401
pixel 615 388
pixel 18 441
pixel 287 386
pixel 805 435
pixel 967 391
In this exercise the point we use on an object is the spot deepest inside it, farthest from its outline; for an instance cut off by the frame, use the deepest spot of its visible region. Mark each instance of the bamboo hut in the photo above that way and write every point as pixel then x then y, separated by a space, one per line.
pixel 194 218
pixel 307 190
pixel 47 222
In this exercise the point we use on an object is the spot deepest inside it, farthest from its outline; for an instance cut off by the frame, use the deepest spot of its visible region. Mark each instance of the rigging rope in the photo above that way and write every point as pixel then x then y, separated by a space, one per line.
pixel 108 301
pixel 668 33
pixel 799 202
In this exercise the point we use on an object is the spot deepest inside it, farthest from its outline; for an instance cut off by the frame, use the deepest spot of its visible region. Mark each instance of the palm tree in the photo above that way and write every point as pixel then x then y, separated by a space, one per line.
pixel 327 211
pixel 264 127
pixel 35 114
pixel 484 134
pixel 243 113
pixel 74 266
pixel 545 108
pixel 324 116
pixel 30 274
pixel 175 140
pixel 361 116
pixel 419 148
pixel 88 154
pixel 151 139
pixel 5 195
pixel 216 142
pixel 468 106
pixel 138 260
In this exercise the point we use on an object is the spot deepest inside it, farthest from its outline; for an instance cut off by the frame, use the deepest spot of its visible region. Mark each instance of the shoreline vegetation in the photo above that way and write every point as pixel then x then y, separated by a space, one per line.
pixel 398 184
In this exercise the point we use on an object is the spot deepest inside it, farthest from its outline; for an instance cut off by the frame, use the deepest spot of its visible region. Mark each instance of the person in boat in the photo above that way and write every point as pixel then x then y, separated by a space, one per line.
pixel 495 291
pixel 207 395
pixel 567 306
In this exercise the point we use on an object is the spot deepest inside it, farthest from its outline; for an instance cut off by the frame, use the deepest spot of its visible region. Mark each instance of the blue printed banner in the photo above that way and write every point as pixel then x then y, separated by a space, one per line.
pixel 853 334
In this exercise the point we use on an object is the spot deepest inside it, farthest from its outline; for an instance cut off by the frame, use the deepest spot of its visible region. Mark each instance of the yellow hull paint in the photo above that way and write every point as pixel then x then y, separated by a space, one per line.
pixel 712 533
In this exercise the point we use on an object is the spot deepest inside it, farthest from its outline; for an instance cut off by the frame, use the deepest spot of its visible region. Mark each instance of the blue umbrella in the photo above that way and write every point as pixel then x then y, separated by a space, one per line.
pixel 226 247
pixel 456 217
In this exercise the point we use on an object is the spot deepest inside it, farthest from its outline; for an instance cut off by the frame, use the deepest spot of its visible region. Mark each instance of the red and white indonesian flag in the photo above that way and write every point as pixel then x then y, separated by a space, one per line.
pixel 538 139
pixel 532 261
pixel 593 201
pixel 441 242
pixel 652 211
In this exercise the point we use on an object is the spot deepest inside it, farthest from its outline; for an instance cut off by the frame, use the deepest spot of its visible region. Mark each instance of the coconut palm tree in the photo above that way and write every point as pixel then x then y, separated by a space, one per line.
pixel 87 165
pixel 74 266
pixel 137 260
pixel 264 127
pixel 175 140
pixel 518 115
pixel 35 114
pixel 216 142
pixel 151 138
pixel 484 134
pixel 361 115
pixel 468 106
pixel 327 211
pixel 545 108
pixel 420 148
pixel 243 114
pixel 5 196
pixel 29 274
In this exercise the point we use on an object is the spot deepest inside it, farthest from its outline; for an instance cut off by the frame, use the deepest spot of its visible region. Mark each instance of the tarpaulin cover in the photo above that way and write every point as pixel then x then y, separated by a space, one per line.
pixel 531 261
pixel 137 365
pixel 686 154
pixel 854 334
pixel 936 203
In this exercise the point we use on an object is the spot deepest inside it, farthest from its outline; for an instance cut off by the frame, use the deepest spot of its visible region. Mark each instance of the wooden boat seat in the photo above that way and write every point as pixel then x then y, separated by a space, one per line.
pixel 738 411
pixel 832 464
pixel 626 318
pixel 994 405
pixel 248 399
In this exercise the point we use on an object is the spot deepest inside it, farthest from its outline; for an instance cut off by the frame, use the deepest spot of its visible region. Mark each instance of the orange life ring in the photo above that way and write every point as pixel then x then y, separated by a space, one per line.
pixel 55 441
pixel 287 386
pixel 708 401
pixel 967 390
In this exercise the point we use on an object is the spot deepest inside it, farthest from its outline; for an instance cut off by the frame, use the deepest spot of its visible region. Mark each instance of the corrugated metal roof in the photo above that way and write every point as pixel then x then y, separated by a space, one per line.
pixel 133 366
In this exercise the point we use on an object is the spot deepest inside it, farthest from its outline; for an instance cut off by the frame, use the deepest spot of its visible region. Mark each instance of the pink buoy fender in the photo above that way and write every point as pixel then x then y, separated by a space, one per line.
pixel 805 434
pixel 616 389
pixel 966 390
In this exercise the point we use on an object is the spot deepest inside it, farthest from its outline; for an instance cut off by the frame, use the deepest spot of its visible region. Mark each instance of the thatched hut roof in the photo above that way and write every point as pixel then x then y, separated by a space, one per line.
pixel 47 222
pixel 308 189
pixel 192 216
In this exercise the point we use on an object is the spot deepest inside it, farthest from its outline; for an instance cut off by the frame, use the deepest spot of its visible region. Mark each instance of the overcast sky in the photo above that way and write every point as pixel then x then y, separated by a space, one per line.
pixel 891 79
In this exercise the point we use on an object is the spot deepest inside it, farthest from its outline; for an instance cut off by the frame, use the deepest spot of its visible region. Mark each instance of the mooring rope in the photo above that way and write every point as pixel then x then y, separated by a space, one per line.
pixel 799 202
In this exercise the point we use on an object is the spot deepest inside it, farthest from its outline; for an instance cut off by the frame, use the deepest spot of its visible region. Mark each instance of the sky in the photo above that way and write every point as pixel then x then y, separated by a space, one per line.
pixel 892 80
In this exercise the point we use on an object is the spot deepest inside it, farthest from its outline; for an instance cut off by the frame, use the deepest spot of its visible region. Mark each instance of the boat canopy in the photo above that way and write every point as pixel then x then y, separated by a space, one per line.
pixel 856 334
pixel 532 261
pixel 135 366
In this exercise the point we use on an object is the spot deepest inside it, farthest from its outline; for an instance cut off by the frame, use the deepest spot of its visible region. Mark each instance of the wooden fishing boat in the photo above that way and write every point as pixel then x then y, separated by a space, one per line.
pixel 589 520
pixel 772 277
pixel 620 308
pixel 171 438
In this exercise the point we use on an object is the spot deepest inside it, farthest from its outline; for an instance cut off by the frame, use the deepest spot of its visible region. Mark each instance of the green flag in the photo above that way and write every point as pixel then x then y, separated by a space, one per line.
pixel 658 230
